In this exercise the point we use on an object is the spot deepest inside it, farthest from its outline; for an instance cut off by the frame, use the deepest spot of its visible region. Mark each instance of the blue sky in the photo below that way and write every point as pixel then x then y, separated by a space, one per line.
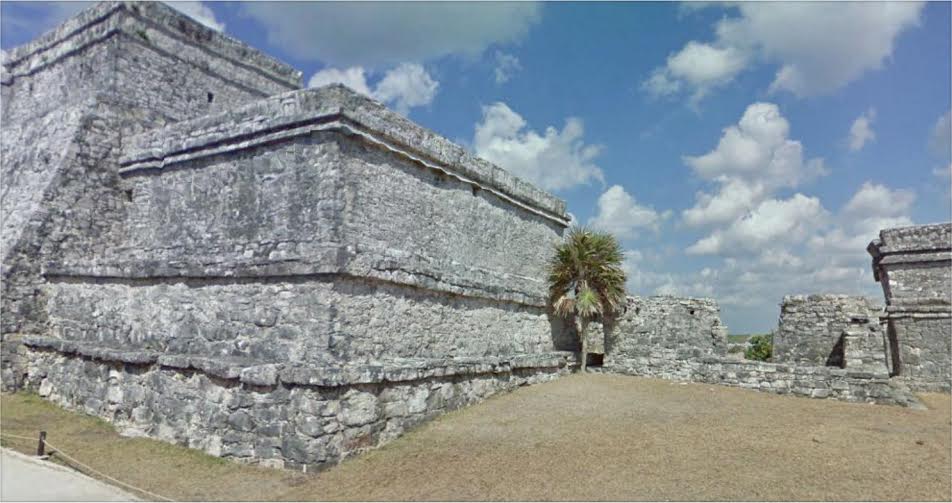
pixel 739 151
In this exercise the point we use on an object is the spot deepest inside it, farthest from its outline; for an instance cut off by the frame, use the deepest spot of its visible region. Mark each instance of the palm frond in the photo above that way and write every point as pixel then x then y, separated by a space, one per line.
pixel 585 274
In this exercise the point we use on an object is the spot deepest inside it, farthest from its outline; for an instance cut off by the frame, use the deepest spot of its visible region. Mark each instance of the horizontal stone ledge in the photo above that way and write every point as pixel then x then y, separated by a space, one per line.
pixel 385 266
pixel 300 112
pixel 135 357
pixel 904 257
pixel 329 375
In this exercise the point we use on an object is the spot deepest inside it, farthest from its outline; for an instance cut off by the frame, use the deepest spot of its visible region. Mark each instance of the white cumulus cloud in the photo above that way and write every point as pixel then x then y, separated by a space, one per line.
pixel 861 132
pixel 879 200
pixel 752 159
pixel 354 77
pixel 619 214
pixel 698 66
pixel 773 222
pixel 819 46
pixel 553 160
pixel 406 86
pixel 376 34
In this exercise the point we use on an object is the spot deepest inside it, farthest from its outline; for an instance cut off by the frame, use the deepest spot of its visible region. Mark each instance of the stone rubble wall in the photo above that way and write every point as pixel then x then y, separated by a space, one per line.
pixel 784 379
pixel 914 267
pixel 281 416
pixel 691 327
pixel 812 327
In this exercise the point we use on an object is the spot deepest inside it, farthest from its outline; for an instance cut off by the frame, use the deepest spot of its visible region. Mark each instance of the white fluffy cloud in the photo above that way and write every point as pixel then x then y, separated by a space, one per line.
pixel 753 158
pixel 880 201
pixel 619 214
pixel 861 132
pixel 819 46
pixel 784 247
pixel 506 66
pixel 404 87
pixel 354 77
pixel 757 148
pixel 698 66
pixel 408 85
pixel 199 12
pixel 759 243
pixel 772 223
pixel 384 33
pixel 941 139
pixel 553 160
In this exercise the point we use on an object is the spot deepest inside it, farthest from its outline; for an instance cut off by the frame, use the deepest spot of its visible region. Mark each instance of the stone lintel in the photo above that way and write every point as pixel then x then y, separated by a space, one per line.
pixel 337 109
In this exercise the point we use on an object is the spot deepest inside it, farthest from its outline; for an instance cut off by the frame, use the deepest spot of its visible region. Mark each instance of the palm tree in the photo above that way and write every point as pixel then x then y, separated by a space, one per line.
pixel 586 280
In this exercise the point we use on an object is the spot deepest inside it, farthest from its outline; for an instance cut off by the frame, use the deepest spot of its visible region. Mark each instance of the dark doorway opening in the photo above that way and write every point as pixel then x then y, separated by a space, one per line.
pixel 594 360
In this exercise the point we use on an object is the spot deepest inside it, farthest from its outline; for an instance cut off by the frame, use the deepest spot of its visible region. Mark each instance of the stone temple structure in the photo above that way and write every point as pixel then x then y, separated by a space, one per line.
pixel 914 267
pixel 198 250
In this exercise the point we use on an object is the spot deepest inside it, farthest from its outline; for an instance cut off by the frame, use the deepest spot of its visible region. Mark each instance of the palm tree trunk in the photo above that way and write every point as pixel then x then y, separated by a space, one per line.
pixel 583 328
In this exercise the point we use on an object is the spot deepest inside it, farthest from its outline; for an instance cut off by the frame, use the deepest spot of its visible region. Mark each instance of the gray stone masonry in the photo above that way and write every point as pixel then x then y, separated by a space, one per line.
pixel 182 223
pixel 811 329
pixel 68 98
pixel 795 380
pixel 279 415
pixel 199 251
pixel 914 267
pixel 691 327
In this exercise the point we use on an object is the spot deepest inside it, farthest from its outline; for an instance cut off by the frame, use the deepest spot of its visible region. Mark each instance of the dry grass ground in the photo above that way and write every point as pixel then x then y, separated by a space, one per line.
pixel 583 437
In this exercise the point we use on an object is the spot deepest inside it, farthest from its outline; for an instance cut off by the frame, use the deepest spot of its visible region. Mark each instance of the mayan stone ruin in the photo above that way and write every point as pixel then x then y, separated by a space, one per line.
pixel 913 266
pixel 198 250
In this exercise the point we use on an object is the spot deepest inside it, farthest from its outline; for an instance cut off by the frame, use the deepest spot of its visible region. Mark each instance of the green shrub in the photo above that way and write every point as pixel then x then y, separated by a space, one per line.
pixel 760 348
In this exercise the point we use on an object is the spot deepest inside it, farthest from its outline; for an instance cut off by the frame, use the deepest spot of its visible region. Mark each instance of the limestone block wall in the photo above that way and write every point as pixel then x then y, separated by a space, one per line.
pixel 311 247
pixel 690 327
pixel 318 319
pixel 784 379
pixel 281 416
pixel 914 267
pixel 289 279
pixel 811 328
pixel 69 98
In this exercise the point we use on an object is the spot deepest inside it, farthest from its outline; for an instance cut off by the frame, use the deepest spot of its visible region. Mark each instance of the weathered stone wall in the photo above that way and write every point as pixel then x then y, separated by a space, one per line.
pixel 68 99
pixel 322 232
pixel 325 318
pixel 914 267
pixel 812 327
pixel 785 379
pixel 691 327
pixel 282 416
pixel 335 271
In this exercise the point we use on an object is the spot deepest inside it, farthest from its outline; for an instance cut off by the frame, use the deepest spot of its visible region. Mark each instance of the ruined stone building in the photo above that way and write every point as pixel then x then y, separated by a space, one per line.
pixel 914 267
pixel 198 250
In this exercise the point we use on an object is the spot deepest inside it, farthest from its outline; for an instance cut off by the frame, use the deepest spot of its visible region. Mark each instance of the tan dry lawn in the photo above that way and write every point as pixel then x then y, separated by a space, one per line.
pixel 582 437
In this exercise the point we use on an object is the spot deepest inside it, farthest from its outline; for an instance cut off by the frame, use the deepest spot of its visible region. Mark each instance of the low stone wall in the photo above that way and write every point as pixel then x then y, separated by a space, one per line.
pixel 690 326
pixel 279 415
pixel 811 327
pixel 805 381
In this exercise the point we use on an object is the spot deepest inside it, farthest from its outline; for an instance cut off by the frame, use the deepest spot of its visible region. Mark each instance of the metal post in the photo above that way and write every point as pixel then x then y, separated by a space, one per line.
pixel 41 447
